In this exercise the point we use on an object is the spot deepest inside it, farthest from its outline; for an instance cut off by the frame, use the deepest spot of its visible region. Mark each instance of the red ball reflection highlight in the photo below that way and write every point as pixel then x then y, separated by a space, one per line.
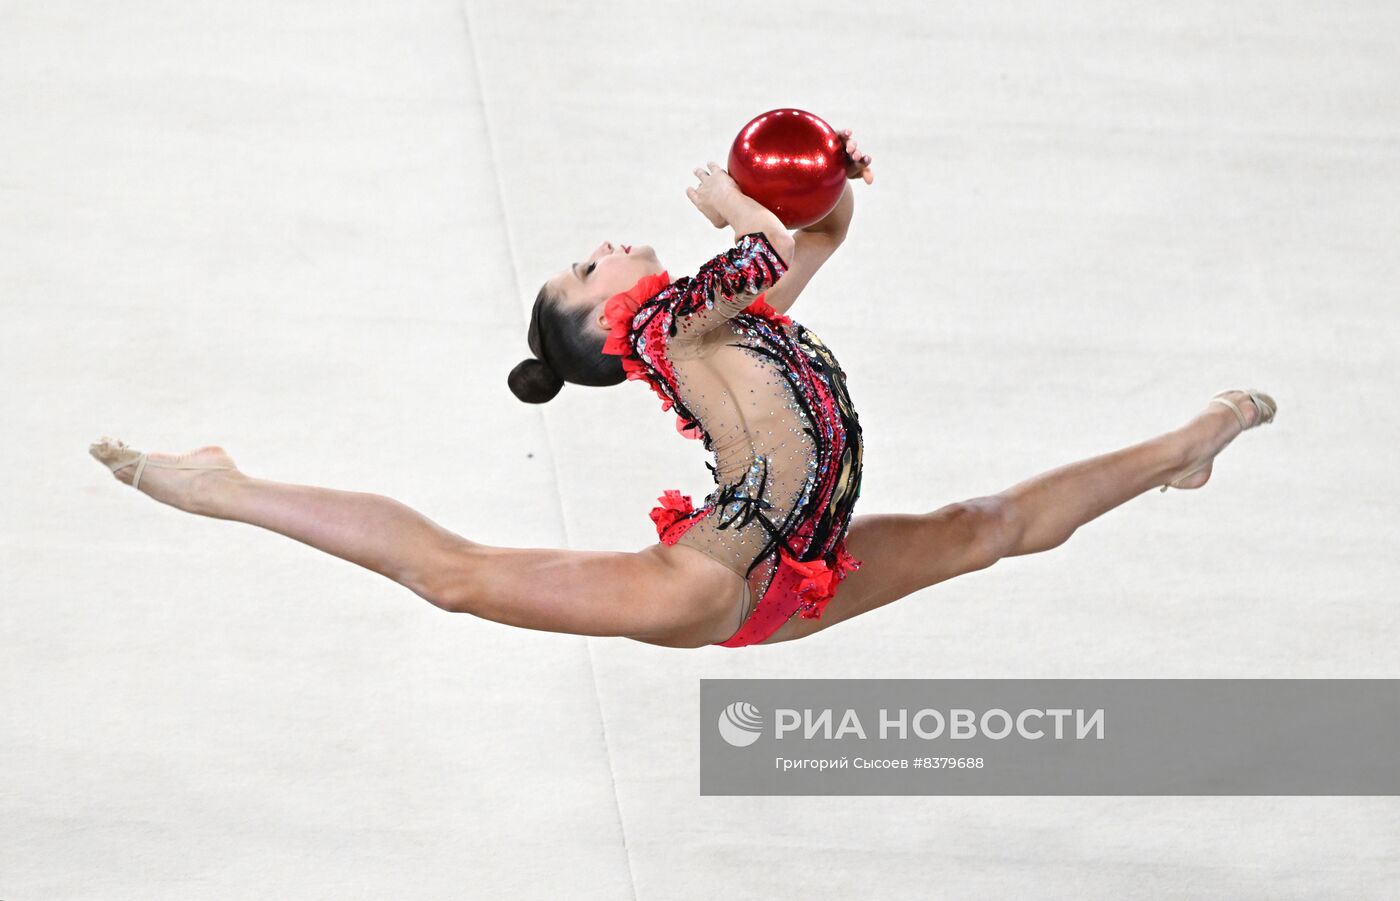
pixel 792 162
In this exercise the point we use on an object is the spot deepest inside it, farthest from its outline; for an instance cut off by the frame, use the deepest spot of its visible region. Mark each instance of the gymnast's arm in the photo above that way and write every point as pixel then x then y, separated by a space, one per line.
pixel 747 216
pixel 812 247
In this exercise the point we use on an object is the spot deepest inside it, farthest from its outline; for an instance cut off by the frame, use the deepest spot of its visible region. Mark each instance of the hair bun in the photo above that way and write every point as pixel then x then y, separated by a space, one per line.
pixel 533 381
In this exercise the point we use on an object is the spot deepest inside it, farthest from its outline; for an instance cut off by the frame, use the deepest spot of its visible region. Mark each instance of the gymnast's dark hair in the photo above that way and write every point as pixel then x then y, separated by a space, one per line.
pixel 565 350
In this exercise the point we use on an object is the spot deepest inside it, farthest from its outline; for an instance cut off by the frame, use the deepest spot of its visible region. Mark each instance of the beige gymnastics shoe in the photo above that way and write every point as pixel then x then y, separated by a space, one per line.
pixel 1262 402
pixel 117 456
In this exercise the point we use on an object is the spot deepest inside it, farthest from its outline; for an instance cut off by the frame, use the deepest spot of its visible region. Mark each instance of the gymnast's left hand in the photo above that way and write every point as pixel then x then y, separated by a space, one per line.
pixel 857 165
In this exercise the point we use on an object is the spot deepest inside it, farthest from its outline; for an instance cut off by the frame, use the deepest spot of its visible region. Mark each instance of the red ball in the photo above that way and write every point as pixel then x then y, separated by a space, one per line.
pixel 792 162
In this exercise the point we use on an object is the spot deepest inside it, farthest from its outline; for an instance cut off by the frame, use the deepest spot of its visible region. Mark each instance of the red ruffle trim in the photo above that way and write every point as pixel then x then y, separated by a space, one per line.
pixel 819 581
pixel 620 309
pixel 674 507
pixel 619 312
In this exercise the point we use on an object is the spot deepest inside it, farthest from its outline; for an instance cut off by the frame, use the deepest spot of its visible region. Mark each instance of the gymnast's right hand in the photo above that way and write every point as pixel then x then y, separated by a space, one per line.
pixel 714 194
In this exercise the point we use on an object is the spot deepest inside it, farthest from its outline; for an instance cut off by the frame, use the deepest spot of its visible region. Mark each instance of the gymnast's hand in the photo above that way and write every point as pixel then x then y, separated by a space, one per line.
pixel 857 166
pixel 715 193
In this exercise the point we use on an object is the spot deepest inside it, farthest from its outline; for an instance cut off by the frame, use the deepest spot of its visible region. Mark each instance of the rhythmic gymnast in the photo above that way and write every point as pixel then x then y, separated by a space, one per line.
pixel 774 553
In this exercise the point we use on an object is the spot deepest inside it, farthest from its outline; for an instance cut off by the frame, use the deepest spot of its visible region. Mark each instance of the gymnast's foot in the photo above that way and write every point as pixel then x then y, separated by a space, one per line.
pixel 1216 427
pixel 185 481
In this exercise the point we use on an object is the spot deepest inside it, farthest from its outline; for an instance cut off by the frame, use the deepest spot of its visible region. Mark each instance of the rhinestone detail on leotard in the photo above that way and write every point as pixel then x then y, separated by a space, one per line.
pixel 769 400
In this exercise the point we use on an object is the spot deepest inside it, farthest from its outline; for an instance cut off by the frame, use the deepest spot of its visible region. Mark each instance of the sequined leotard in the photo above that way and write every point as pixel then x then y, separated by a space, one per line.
pixel 769 399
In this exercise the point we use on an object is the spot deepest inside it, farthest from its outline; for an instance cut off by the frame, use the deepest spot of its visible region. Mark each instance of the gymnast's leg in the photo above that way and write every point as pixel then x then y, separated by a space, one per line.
pixel 902 553
pixel 579 592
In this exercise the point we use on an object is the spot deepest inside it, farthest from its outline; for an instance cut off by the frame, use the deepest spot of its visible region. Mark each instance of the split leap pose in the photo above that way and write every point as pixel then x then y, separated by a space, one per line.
pixel 761 560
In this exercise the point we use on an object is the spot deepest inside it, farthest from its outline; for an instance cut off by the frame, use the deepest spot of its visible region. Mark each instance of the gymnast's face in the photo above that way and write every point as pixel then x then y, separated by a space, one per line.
pixel 609 269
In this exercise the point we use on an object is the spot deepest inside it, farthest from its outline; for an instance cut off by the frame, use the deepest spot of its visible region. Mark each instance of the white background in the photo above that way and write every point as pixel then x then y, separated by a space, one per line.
pixel 311 233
